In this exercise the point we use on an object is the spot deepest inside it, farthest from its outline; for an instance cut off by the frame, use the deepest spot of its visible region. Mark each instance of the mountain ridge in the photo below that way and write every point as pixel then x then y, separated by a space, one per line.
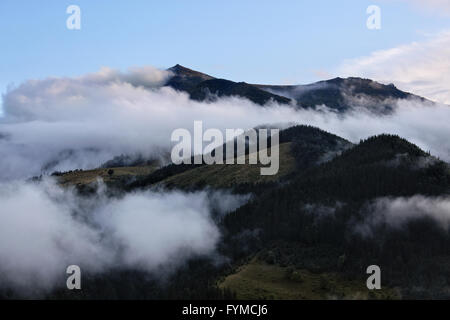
pixel 339 94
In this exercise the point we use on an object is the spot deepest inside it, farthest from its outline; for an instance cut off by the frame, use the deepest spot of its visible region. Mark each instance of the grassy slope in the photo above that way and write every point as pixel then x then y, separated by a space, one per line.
pixel 259 280
pixel 232 174
pixel 89 176
pixel 212 175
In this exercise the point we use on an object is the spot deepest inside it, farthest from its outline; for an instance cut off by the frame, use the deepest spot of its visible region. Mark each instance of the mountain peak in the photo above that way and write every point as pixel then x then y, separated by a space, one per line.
pixel 179 67
pixel 186 79
pixel 180 70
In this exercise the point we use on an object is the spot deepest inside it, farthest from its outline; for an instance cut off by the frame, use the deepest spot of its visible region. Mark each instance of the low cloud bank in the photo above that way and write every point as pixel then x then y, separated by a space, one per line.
pixel 422 67
pixel 44 229
pixel 70 123
pixel 396 212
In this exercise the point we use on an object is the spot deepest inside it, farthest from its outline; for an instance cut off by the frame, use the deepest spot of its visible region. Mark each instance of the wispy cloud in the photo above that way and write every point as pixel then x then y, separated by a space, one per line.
pixel 44 228
pixel 396 212
pixel 419 67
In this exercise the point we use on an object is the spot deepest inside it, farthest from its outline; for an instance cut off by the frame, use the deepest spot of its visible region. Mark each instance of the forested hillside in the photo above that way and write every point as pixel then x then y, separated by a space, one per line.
pixel 325 213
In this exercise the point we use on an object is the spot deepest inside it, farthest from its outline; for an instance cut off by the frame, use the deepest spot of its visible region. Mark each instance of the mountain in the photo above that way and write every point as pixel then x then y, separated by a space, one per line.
pixel 185 79
pixel 310 231
pixel 203 87
pixel 208 90
pixel 314 222
pixel 338 94
pixel 298 235
pixel 343 94
pixel 301 147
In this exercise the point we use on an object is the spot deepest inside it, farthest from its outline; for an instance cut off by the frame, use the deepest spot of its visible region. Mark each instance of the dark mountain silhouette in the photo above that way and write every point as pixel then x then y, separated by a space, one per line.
pixel 311 221
pixel 219 87
pixel 338 94
pixel 306 220
pixel 203 87
pixel 185 79
pixel 342 94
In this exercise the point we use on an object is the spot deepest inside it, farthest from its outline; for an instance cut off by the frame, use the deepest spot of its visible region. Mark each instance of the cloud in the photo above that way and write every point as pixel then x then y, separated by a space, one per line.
pixel 68 98
pixel 297 92
pixel 71 123
pixel 44 229
pixel 159 229
pixel 67 123
pixel 39 238
pixel 422 68
pixel 396 212
pixel 420 123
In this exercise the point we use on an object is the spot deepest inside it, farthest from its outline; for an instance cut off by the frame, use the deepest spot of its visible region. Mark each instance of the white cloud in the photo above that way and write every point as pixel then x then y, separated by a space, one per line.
pixel 44 229
pixel 396 212
pixel 422 68
pixel 74 98
pixel 157 230
pixel 83 122
pixel 70 123
pixel 424 125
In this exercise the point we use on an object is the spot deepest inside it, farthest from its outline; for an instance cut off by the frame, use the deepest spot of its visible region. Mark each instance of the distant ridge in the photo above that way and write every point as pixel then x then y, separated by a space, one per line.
pixel 186 79
pixel 340 94
pixel 201 87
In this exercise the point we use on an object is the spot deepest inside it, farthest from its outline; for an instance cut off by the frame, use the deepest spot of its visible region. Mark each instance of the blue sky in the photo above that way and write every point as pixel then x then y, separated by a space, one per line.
pixel 253 41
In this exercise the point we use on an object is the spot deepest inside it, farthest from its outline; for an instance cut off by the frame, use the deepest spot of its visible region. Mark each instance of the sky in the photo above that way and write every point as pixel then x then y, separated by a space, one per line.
pixel 290 42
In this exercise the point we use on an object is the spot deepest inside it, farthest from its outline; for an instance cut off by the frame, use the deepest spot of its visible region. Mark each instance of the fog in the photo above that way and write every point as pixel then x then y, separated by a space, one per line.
pixel 44 229
pixel 396 212
pixel 68 123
